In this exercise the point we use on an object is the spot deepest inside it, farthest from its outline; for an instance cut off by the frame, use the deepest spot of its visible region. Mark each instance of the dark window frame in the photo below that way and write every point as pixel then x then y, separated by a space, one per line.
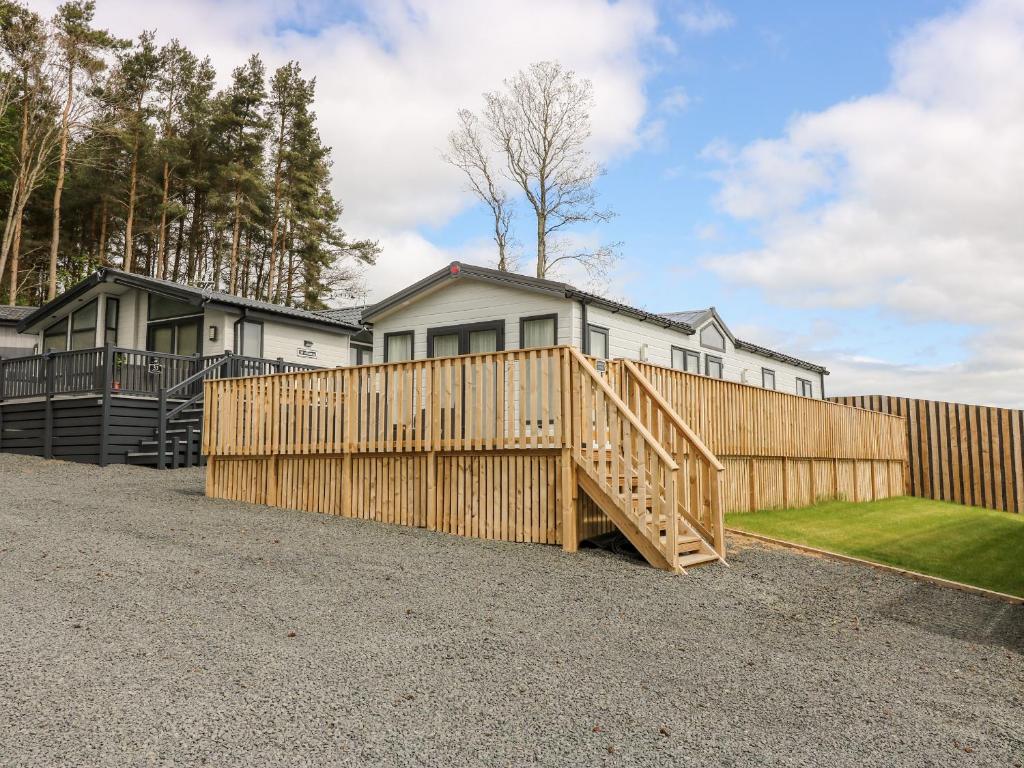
pixel 774 381
pixel 237 325
pixel 686 357
pixel 700 337
pixel 175 324
pixel 600 329
pixel 116 301
pixel 522 325
pixel 412 344
pixel 67 327
pixel 800 387
pixel 95 323
pixel 708 359
pixel 364 354
pixel 149 309
pixel 463 331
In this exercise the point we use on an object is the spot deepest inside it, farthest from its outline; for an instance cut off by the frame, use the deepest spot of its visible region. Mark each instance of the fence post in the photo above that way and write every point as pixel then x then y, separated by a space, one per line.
pixel 48 421
pixel 280 365
pixel 161 430
pixel 570 524
pixel 105 383
pixel 3 368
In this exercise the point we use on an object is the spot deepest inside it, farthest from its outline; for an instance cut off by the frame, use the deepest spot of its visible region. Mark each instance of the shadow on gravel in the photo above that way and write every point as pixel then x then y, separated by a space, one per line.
pixel 988 622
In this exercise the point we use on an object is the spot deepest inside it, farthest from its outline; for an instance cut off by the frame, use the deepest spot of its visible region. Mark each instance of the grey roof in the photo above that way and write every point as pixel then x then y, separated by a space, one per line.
pixel 185 292
pixel 11 315
pixel 780 356
pixel 352 315
pixel 457 270
pixel 689 316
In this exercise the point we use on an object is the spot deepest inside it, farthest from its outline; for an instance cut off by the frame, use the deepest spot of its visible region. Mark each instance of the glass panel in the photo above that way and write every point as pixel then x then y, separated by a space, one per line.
pixel 111 320
pixel 162 339
pixel 251 341
pixel 710 336
pixel 399 348
pixel 444 346
pixel 598 343
pixel 56 337
pixel 678 360
pixel 483 341
pixel 693 362
pixel 188 339
pixel 538 333
pixel 160 307
pixel 768 379
pixel 84 318
pixel 714 368
pixel 83 339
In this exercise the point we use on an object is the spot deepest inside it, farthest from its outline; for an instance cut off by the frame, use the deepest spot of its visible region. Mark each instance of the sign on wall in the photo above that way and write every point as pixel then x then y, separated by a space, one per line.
pixel 302 352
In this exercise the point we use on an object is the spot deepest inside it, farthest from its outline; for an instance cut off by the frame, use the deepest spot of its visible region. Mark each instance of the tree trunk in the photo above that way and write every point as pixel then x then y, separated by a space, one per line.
pixel 176 269
pixel 17 188
pixel 277 210
pixel 193 237
pixel 12 299
pixel 542 255
pixel 102 252
pixel 129 222
pixel 233 266
pixel 161 248
pixel 65 129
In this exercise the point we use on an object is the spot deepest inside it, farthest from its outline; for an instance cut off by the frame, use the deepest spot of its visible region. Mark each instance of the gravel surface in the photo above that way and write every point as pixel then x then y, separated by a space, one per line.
pixel 143 624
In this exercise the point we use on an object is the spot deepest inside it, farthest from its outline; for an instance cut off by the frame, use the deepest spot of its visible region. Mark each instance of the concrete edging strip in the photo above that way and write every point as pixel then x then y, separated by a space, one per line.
pixel 1012 599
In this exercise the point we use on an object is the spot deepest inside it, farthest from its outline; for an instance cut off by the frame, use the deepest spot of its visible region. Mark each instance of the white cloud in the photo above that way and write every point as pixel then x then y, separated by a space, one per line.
pixel 704 18
pixel 910 199
pixel 675 100
pixel 389 84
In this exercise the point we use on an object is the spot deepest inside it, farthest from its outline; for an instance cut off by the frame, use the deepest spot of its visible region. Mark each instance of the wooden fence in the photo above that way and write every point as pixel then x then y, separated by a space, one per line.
pixel 970 454
pixel 782 450
pixel 498 446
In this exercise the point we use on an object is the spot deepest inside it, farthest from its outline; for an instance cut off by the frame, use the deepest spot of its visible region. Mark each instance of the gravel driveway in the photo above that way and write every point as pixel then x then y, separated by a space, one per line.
pixel 142 624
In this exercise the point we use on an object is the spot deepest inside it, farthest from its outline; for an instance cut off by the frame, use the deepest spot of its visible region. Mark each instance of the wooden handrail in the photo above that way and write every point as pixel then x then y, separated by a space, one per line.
pixel 674 417
pixel 626 411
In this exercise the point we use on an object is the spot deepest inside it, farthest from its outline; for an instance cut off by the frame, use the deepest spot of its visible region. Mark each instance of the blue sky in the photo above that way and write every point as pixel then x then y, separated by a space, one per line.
pixel 844 181
pixel 741 82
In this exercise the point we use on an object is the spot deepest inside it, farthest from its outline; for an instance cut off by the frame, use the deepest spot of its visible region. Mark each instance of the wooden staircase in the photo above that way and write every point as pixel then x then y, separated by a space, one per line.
pixel 645 469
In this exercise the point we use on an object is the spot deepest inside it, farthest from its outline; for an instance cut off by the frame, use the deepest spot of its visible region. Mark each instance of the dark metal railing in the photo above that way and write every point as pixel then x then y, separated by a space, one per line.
pixel 120 371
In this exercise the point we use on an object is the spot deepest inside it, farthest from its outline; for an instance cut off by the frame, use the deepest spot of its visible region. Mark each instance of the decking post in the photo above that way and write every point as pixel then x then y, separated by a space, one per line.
pixel 161 430
pixel 105 383
pixel 189 434
pixel 570 527
pixel 48 420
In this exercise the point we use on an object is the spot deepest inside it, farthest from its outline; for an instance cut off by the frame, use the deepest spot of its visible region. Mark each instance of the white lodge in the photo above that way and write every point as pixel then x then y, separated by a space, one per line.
pixel 136 312
pixel 464 308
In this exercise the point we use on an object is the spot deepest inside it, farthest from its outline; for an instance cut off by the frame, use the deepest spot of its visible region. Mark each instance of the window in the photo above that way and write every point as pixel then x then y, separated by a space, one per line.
pixel 711 337
pixel 248 338
pixel 477 338
pixel 713 366
pixel 162 308
pixel 175 327
pixel 804 387
pixel 83 326
pixel 397 347
pixel 597 341
pixel 55 338
pixel 110 320
pixel 685 360
pixel 768 378
pixel 360 355
pixel 538 331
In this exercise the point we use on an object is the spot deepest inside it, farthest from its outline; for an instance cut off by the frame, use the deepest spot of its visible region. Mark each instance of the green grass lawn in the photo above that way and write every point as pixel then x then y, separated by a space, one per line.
pixel 968 544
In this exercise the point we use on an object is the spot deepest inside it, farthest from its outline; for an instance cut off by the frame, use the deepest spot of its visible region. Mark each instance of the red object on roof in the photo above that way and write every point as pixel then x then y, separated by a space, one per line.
pixel 455 268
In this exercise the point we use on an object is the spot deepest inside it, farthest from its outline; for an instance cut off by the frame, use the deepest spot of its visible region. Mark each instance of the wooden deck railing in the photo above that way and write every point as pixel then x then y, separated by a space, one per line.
pixel 700 500
pixel 624 459
pixel 497 401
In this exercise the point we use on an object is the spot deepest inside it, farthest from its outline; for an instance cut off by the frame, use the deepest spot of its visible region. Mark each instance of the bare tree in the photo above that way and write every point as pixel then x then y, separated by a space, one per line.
pixel 540 121
pixel 466 151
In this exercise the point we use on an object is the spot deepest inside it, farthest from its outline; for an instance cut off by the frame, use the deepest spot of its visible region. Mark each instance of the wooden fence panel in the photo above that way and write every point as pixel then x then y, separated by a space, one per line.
pixel 970 454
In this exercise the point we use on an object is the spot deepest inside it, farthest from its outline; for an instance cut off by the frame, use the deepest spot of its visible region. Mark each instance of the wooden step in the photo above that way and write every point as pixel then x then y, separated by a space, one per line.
pixel 699 558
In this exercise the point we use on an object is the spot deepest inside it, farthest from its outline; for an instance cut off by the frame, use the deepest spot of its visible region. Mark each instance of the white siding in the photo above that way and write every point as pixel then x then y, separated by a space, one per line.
pixel 472 301
pixel 282 340
pixel 14 344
